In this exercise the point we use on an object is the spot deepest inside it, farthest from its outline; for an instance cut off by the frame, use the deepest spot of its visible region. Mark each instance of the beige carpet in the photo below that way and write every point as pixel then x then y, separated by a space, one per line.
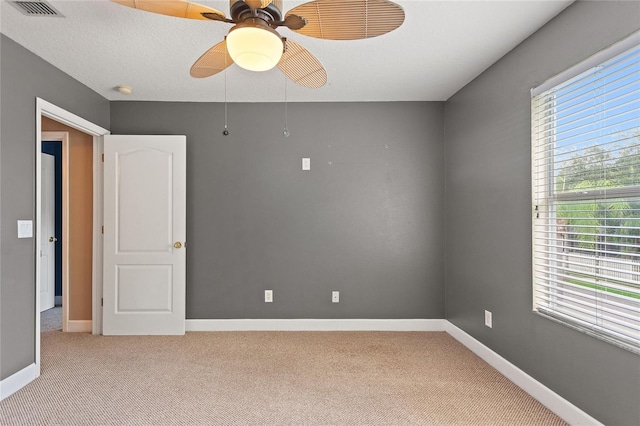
pixel 268 378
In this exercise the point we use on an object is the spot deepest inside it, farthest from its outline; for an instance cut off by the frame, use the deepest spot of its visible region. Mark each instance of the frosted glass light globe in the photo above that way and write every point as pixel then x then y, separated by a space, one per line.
pixel 254 47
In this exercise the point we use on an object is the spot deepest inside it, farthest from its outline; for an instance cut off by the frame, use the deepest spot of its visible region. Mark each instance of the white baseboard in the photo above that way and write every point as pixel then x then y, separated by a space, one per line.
pixel 563 408
pixel 18 380
pixel 79 326
pixel 315 324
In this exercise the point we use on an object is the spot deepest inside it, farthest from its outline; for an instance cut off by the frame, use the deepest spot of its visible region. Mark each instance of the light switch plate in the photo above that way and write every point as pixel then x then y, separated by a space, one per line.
pixel 306 164
pixel 488 319
pixel 25 229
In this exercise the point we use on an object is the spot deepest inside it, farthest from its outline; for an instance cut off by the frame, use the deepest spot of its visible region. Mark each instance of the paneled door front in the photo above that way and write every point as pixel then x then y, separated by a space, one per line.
pixel 48 229
pixel 144 235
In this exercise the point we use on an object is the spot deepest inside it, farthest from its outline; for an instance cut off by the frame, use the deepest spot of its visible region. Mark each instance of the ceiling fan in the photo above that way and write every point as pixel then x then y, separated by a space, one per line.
pixel 254 44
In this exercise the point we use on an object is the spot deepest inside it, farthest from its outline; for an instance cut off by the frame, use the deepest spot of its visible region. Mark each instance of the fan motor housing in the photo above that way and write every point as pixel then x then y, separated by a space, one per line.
pixel 240 12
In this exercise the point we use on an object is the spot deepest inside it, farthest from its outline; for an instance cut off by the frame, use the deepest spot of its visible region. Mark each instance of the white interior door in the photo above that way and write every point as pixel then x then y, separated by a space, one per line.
pixel 48 227
pixel 144 234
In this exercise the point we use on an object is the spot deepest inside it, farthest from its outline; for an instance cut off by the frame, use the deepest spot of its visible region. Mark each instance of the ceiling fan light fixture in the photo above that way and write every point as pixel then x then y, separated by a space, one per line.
pixel 254 46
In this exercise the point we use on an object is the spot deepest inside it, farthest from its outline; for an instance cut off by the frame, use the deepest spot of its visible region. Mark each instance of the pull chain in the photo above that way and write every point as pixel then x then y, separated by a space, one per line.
pixel 286 131
pixel 226 130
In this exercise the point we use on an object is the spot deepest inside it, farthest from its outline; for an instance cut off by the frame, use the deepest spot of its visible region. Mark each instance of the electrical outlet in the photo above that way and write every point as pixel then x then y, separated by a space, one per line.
pixel 488 319
pixel 335 296
pixel 268 296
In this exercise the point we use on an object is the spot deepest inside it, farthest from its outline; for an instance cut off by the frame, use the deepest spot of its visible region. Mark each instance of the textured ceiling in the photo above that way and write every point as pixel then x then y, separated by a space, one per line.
pixel 441 46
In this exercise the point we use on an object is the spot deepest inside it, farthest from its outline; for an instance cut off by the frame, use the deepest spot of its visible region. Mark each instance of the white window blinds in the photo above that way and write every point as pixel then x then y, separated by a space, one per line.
pixel 586 200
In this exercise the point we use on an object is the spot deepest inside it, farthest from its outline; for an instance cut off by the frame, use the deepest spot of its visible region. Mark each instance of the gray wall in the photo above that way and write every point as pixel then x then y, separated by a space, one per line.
pixel 24 77
pixel 366 220
pixel 488 238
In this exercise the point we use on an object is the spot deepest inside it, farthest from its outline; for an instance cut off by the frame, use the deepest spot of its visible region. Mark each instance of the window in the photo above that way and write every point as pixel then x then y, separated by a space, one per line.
pixel 586 196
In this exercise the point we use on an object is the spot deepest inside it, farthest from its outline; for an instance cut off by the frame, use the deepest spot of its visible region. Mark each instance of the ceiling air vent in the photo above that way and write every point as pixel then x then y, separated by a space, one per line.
pixel 36 8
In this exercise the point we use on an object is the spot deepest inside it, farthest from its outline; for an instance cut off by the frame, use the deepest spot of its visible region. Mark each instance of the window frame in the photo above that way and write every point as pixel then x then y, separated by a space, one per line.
pixel 543 187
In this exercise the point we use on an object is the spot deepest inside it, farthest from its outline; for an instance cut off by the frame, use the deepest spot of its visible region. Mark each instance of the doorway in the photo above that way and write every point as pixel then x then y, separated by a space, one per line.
pixel 73 239
pixel 49 110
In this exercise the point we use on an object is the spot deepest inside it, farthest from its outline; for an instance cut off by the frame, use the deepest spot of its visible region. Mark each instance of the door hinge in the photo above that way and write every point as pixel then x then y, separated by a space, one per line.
pixel 103 230
pixel 102 301
pixel 103 157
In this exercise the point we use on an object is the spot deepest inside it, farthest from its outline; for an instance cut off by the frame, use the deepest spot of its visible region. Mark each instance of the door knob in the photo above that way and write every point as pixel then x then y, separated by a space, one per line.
pixel 52 239
pixel 178 245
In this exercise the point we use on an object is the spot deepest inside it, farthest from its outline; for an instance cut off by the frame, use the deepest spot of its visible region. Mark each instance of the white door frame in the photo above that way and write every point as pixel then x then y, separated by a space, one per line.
pixel 47 109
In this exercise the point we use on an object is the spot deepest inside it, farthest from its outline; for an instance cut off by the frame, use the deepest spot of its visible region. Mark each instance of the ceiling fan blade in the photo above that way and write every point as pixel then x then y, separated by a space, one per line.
pixel 348 19
pixel 178 8
pixel 212 61
pixel 301 66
